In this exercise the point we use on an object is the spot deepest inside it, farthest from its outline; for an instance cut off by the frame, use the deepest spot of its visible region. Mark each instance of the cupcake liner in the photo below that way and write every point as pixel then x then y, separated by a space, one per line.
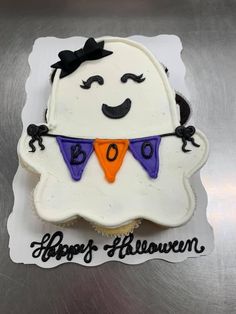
pixel 118 231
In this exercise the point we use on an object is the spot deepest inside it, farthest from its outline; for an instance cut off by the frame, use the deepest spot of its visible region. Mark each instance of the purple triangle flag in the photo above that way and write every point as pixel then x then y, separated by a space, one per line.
pixel 76 153
pixel 146 151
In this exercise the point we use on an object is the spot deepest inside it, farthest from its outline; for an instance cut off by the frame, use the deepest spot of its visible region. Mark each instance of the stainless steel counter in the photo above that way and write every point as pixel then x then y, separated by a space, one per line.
pixel 201 285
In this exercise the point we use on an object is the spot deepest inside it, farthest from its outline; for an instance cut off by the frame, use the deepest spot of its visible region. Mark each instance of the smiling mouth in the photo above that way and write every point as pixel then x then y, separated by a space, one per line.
pixel 117 112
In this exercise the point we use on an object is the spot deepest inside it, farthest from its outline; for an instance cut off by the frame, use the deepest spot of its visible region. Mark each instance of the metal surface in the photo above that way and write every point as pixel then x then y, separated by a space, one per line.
pixel 202 285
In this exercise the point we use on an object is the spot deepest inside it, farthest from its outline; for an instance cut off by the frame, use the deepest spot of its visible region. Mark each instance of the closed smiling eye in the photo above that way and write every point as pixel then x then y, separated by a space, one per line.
pixel 131 76
pixel 96 78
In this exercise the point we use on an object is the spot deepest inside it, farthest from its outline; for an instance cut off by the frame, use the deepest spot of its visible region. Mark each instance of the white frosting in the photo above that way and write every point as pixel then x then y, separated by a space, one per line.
pixel 73 111
pixel 152 101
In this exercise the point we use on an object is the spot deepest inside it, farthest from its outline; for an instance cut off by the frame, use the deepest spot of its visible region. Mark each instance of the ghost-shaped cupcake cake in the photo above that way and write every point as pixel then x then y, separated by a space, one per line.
pixel 113 150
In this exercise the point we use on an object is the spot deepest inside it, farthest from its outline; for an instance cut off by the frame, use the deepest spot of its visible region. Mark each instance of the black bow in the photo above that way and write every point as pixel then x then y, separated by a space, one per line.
pixel 70 61
pixel 36 132
pixel 186 133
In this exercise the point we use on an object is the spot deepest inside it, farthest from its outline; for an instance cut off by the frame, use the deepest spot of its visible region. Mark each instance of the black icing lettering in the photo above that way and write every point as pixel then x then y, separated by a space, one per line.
pixel 144 246
pixel 167 247
pixel 138 245
pixel 189 243
pixel 174 244
pixel 78 156
pixel 52 246
pixel 152 248
pixel 71 253
pixel 111 249
pixel 37 252
pixel 62 251
pixel 147 150
pixel 181 247
pixel 77 249
pixel 49 250
pixel 114 147
pixel 162 247
pixel 127 248
pixel 89 249
pixel 124 247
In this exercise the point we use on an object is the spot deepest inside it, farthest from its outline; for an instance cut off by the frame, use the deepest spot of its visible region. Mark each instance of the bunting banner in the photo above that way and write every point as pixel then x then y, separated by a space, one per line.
pixel 146 151
pixel 76 153
pixel 110 154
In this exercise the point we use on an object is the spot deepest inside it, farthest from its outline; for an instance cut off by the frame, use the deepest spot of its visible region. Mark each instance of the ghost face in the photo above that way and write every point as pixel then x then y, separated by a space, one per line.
pixel 123 95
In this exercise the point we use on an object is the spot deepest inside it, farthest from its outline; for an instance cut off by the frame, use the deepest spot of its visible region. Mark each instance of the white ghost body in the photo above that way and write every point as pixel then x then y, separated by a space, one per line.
pixel 75 112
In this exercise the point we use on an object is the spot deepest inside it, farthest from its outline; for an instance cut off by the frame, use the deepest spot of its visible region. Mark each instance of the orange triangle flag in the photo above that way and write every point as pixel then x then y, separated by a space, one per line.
pixel 110 154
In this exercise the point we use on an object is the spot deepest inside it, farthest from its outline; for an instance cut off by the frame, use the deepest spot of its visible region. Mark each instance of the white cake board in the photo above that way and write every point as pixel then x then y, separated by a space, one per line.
pixel 25 227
